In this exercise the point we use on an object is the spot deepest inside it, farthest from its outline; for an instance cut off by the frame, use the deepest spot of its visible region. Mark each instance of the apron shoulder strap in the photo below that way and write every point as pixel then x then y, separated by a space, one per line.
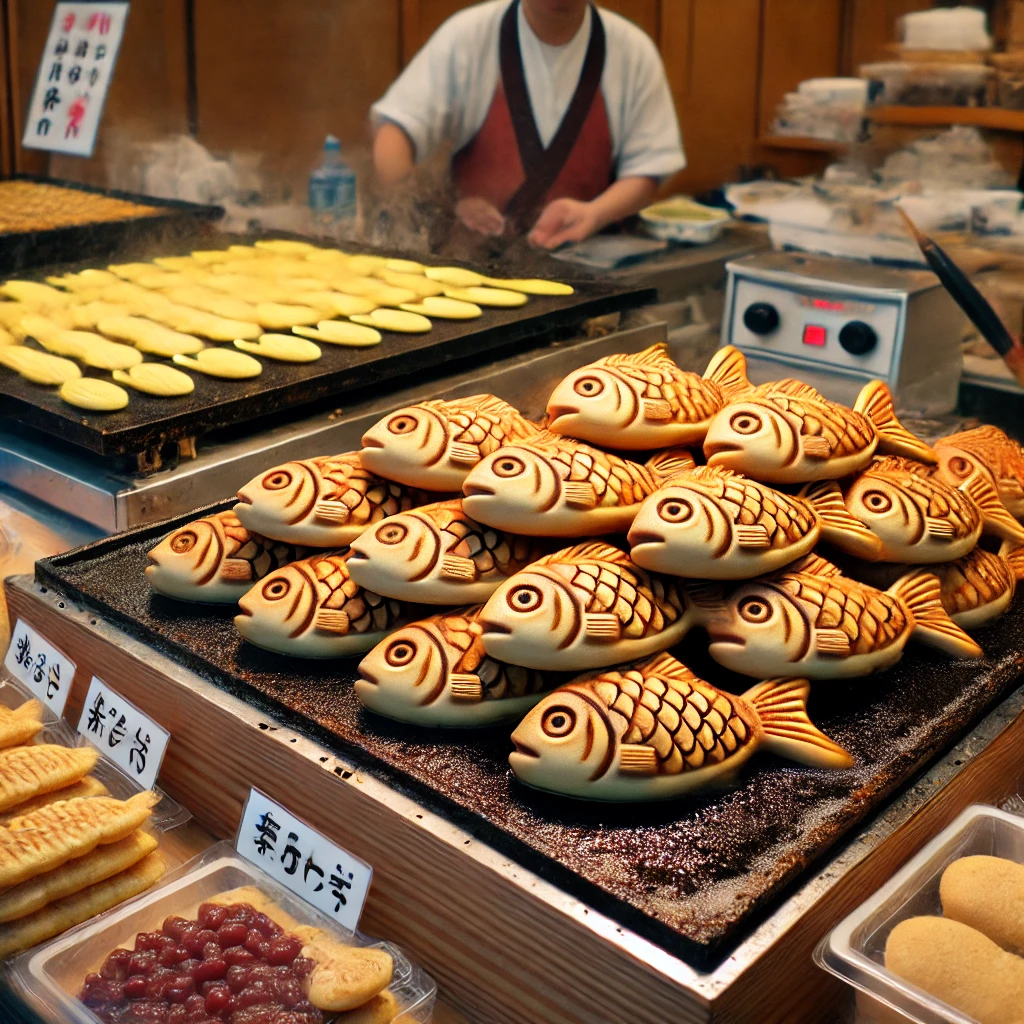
pixel 541 166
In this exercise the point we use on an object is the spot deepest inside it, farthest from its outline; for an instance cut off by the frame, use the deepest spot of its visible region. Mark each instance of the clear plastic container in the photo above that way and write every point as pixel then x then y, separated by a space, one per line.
pixel 928 85
pixel 50 977
pixel 855 949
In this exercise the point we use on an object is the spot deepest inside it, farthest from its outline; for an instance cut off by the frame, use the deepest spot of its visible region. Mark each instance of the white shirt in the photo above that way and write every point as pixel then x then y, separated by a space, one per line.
pixel 447 88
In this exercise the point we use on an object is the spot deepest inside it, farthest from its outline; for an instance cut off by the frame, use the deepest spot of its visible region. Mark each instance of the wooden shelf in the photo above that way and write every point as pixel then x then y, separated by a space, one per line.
pixel 981 117
pixel 802 142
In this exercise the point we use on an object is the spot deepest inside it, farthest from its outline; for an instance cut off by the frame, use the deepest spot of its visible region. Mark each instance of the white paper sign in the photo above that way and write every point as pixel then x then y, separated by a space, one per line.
pixel 122 732
pixel 73 77
pixel 296 855
pixel 40 667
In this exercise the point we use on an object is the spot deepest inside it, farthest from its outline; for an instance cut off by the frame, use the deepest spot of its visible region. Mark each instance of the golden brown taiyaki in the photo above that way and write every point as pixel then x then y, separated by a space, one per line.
pixel 324 502
pixel 314 609
pixel 786 433
pixel 436 672
pixel 437 554
pixel 654 730
pixel 824 627
pixel 584 607
pixel 988 451
pixel 711 523
pixel 434 445
pixel 980 586
pixel 215 560
pixel 563 488
pixel 643 401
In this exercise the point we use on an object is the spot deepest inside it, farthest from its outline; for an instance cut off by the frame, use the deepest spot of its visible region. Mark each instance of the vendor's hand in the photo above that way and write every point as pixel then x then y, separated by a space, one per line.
pixel 479 215
pixel 565 220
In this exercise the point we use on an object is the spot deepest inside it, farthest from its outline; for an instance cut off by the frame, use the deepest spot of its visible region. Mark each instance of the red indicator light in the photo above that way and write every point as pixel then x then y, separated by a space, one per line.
pixel 814 335
pixel 826 304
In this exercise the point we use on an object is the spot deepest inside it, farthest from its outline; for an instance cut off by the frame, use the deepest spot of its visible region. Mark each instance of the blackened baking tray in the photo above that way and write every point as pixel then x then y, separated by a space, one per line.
pixel 149 422
pixel 692 875
pixel 102 240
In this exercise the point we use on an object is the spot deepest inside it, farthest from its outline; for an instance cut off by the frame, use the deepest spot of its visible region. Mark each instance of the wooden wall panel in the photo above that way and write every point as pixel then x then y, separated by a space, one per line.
pixel 871 25
pixel 6 118
pixel 712 67
pixel 274 78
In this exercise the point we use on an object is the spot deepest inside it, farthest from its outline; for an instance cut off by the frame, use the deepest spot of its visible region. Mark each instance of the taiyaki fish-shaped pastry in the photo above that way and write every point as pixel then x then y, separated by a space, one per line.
pixel 564 488
pixel 787 433
pixel 711 523
pixel 917 517
pixel 314 609
pixel 215 560
pixel 437 554
pixel 980 586
pixel 324 502
pixel 824 627
pixel 644 401
pixel 436 672
pixel 989 452
pixel 584 607
pixel 654 730
pixel 434 445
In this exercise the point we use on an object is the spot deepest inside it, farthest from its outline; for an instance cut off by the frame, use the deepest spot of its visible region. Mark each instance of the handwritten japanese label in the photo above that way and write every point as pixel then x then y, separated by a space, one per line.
pixel 324 875
pixel 40 667
pixel 122 732
pixel 74 75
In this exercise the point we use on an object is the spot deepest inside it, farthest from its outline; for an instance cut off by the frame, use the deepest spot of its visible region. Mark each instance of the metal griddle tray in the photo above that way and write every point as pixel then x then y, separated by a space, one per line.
pixel 692 875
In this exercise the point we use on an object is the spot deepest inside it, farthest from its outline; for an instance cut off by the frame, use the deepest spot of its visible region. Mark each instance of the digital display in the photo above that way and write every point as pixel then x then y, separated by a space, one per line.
pixel 828 304
pixel 814 334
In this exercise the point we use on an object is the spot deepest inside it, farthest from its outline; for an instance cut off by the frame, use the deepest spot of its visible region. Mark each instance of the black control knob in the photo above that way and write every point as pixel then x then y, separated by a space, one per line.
pixel 858 338
pixel 761 318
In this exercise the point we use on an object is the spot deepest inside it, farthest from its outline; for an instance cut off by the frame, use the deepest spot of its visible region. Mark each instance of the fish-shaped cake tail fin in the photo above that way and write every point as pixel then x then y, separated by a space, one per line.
pixel 1013 554
pixel 728 369
pixel 781 708
pixel 997 520
pixel 838 527
pixel 921 592
pixel 465 686
pixel 670 463
pixel 875 402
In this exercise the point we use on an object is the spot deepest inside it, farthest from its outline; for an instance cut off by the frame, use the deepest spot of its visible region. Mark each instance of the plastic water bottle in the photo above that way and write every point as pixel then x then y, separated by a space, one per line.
pixel 332 187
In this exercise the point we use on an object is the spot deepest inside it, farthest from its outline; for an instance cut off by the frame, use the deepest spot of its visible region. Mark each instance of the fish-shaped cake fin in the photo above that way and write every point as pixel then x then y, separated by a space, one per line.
pixel 579 494
pixel 728 369
pixel 465 686
pixel 1014 555
pixel 816 447
pixel 781 706
pixel 940 529
pixel 481 403
pixel 752 537
pixel 592 551
pixel 996 518
pixel 670 463
pixel 875 402
pixel 602 627
pixel 458 569
pixel 656 410
pixel 332 620
pixel 793 388
pixel 654 356
pixel 813 565
pixel 462 453
pixel 838 527
pixel 638 759
pixel 921 592
pixel 331 511
pixel 832 641
pixel 236 570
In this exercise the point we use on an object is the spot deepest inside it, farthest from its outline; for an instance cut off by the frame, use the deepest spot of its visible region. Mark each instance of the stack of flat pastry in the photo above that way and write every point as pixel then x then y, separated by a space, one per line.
pixel 67 850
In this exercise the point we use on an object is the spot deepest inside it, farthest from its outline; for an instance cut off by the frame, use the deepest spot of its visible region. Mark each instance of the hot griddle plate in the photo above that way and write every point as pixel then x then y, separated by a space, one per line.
pixel 691 875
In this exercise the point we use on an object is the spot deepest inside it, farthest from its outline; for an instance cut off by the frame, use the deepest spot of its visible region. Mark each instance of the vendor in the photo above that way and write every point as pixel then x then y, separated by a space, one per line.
pixel 559 116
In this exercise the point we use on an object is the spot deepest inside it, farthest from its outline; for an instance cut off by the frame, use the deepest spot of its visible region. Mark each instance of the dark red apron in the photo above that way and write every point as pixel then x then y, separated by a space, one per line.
pixel 506 163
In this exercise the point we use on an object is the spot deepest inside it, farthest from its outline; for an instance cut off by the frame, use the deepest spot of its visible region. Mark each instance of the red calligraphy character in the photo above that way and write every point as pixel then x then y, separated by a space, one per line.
pixel 76 114
pixel 69 22
pixel 101 21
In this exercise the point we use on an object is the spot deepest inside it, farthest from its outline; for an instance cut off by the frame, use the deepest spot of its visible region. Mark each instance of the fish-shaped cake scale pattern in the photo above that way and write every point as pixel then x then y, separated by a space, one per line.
pixel 784 520
pixel 990 451
pixel 615 481
pixel 979 587
pixel 847 432
pixel 366 611
pixel 491 551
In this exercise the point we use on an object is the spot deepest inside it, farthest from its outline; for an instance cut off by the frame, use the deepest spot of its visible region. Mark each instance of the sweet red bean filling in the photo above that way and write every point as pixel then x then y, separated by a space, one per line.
pixel 232 964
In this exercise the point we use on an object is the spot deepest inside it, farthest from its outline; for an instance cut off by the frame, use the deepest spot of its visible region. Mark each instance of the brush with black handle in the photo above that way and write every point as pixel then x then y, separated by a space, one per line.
pixel 978 309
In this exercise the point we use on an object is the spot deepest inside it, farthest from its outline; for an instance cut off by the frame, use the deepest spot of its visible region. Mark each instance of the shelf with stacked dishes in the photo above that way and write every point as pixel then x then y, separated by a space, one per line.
pixel 498 624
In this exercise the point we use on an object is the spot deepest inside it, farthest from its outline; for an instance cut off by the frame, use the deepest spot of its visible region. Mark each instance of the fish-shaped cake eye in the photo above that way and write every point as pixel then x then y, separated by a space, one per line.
pixel 559 721
pixel 589 387
pixel 278 480
pixel 274 590
pixel 509 466
pixel 184 542
pixel 403 424
pixel 675 510
pixel 525 598
pixel 745 423
pixel 400 653
pixel 753 609
pixel 877 501
pixel 391 533
pixel 960 467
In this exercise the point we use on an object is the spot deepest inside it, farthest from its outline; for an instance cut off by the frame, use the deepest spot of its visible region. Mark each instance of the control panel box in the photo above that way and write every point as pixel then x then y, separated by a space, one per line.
pixel 837 324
